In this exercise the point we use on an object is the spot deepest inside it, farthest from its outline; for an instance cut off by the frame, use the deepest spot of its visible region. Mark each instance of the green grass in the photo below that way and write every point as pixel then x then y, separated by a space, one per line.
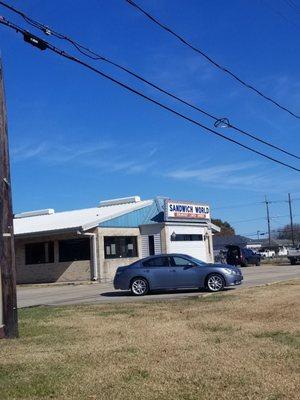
pixel 193 349
pixel 285 338
pixel 128 312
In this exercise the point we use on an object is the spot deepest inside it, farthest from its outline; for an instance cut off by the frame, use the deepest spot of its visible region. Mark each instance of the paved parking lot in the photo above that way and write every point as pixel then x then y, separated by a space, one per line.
pixel 104 292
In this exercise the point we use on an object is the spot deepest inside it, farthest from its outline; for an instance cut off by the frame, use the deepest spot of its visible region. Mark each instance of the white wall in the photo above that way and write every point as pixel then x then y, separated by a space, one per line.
pixel 197 249
pixel 151 230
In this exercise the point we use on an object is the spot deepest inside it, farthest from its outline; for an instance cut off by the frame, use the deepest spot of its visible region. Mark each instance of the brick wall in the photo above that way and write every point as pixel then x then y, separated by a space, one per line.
pixel 49 272
pixel 108 266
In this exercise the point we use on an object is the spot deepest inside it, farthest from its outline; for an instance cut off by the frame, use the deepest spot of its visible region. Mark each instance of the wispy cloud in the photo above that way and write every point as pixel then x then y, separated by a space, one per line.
pixel 249 176
pixel 108 156
pixel 28 151
pixel 184 76
pixel 245 174
pixel 56 152
pixel 211 174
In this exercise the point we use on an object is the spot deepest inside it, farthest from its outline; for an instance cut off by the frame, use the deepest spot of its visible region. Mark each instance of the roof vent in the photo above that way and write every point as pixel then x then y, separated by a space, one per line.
pixel 35 213
pixel 123 200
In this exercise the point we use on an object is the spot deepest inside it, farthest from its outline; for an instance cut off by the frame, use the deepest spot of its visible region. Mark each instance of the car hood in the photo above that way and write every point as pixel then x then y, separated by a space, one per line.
pixel 219 265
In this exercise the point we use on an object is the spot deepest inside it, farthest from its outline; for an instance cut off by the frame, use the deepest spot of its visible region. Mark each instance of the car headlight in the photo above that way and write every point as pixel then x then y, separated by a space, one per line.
pixel 230 271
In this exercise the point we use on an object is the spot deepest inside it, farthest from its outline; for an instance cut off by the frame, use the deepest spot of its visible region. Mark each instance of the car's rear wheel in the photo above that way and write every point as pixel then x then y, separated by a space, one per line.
pixel 257 263
pixel 215 282
pixel 139 287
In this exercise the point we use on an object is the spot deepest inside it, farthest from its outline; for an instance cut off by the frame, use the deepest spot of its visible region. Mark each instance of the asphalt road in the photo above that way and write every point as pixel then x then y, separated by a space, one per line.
pixel 55 295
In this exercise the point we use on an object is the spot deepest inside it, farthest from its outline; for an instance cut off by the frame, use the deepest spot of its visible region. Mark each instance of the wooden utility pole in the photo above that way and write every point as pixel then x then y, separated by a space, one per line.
pixel 268 219
pixel 9 311
pixel 291 219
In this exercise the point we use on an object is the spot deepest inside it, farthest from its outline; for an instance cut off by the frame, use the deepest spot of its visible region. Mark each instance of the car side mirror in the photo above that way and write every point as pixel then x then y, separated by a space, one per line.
pixel 192 265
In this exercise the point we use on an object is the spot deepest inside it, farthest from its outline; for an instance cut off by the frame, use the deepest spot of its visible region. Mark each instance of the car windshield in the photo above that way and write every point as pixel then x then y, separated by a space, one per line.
pixel 195 260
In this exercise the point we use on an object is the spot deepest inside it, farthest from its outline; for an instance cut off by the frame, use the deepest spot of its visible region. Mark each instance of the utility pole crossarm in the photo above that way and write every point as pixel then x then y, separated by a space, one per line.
pixel 8 302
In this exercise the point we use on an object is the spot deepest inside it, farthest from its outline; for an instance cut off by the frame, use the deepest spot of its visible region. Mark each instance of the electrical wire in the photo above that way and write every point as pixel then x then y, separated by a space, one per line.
pixel 238 206
pixel 212 61
pixel 248 220
pixel 293 6
pixel 270 5
pixel 260 218
pixel 64 54
pixel 96 56
pixel 233 206
pixel 273 231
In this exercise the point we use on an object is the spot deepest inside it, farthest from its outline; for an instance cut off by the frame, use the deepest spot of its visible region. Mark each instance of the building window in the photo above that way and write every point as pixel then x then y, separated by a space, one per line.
pixel 39 253
pixel 120 246
pixel 74 250
pixel 186 238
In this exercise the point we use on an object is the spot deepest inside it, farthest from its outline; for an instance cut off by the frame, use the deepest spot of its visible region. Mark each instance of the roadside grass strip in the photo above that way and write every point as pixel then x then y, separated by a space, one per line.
pixel 241 345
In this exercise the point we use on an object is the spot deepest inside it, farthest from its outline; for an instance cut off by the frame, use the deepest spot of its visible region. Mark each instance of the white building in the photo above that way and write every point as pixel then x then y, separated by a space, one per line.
pixel 91 243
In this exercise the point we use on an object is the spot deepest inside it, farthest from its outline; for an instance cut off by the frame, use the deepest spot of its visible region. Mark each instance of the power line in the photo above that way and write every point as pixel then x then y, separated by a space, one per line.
pixel 252 204
pixel 40 43
pixel 248 220
pixel 252 234
pixel 212 61
pixel 96 56
pixel 237 206
pixel 279 230
pixel 277 12
pixel 260 218
pixel 293 6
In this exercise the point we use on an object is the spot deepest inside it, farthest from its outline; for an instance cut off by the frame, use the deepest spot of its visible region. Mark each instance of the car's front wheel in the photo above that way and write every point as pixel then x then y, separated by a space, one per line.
pixel 139 287
pixel 215 283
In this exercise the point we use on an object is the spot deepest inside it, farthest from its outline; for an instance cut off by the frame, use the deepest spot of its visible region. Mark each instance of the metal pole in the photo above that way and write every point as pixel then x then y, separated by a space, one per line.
pixel 268 219
pixel 291 219
pixel 7 252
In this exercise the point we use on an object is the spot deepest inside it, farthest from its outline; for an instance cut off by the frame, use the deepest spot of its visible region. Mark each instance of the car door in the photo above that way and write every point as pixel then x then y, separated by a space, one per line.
pixel 158 272
pixel 186 273
pixel 250 256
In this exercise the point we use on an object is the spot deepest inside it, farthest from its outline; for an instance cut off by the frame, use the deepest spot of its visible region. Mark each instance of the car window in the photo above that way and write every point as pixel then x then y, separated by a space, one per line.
pixel 157 262
pixel 234 252
pixel 180 261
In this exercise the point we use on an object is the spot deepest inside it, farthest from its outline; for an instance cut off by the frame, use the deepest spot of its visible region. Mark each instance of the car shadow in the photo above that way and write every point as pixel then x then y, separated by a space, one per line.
pixel 127 293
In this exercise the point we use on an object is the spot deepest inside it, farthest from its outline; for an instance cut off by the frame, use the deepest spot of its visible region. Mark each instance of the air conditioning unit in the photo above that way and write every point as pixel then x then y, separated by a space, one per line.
pixel 35 213
pixel 122 200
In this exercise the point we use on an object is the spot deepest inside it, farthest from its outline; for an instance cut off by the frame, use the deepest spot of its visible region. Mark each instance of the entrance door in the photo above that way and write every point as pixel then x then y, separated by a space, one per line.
pixel 151 245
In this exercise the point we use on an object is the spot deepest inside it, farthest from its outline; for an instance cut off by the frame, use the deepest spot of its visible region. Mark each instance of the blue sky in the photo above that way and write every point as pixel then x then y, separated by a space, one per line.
pixel 76 139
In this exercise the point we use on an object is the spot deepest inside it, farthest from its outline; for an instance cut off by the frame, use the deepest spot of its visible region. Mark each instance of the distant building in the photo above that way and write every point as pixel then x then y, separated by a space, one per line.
pixel 276 247
pixel 220 242
pixel 90 244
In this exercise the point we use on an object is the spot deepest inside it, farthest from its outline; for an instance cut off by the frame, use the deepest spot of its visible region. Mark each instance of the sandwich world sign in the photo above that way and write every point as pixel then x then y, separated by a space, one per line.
pixel 186 210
